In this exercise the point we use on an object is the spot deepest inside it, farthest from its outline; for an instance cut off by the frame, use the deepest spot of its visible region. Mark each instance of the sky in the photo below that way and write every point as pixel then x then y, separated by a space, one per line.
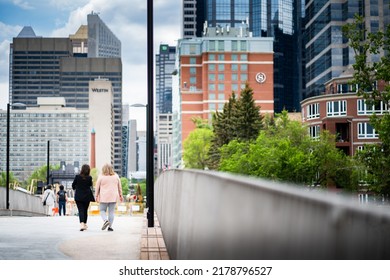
pixel 125 18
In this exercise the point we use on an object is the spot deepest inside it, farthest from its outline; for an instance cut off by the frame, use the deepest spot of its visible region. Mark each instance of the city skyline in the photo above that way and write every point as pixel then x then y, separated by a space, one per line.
pixel 64 17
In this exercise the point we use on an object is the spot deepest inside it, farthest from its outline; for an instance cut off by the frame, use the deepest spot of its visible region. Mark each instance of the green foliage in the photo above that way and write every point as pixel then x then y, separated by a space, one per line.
pixel 3 178
pixel 94 174
pixel 125 185
pixel 196 148
pixel 40 173
pixel 240 120
pixel 285 152
pixel 372 77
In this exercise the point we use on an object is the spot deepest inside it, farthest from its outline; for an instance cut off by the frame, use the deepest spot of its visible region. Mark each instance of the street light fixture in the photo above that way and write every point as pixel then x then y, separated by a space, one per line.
pixel 7 157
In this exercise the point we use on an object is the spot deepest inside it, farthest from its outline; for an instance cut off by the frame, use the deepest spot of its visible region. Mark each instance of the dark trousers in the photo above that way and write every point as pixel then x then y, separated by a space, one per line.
pixel 82 206
pixel 62 207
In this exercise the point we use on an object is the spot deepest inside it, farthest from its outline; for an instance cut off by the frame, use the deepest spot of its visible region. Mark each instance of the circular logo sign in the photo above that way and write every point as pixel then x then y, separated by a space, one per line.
pixel 260 77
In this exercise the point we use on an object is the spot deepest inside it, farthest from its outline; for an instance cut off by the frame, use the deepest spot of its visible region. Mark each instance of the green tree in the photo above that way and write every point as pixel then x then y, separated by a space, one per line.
pixel 196 148
pixel 246 116
pixel 286 152
pixel 40 173
pixel 240 120
pixel 372 77
pixel 3 178
pixel 125 186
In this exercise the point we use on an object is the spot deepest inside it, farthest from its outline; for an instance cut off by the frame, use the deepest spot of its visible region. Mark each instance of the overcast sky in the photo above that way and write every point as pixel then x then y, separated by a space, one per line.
pixel 125 18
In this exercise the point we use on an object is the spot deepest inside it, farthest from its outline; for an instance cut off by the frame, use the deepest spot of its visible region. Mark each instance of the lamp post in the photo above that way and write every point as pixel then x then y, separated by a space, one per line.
pixel 7 156
pixel 48 161
pixel 149 120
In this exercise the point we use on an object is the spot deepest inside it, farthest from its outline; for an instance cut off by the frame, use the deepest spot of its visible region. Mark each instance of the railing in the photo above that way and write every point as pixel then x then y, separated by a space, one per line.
pixel 210 215
pixel 21 203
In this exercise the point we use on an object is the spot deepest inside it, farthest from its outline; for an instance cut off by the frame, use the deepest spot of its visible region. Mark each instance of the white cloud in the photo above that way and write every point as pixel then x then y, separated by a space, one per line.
pixel 23 4
pixel 127 20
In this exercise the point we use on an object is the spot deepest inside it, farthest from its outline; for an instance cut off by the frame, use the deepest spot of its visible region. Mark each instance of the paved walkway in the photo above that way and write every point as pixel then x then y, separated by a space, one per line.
pixel 59 238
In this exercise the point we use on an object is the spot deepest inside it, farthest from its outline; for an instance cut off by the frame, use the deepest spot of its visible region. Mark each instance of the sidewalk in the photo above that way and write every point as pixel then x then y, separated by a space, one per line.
pixel 59 238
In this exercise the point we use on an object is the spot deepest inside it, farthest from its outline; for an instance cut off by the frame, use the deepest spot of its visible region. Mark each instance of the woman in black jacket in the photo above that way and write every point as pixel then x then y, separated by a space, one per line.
pixel 82 184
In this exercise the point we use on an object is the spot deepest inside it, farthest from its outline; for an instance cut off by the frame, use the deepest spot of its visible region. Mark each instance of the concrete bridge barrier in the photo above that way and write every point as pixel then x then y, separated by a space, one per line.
pixel 211 215
pixel 21 204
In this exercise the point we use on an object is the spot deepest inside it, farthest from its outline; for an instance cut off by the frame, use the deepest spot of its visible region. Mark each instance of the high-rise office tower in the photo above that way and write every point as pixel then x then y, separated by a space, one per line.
pixel 60 67
pixel 280 19
pixel 327 51
pixel 165 65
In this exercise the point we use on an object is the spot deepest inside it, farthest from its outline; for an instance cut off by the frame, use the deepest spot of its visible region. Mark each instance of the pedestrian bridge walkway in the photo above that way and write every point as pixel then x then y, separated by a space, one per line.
pixel 59 238
pixel 209 215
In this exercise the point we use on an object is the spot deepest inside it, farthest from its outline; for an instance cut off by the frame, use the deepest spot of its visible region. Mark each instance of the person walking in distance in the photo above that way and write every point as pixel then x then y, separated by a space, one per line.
pixel 82 184
pixel 62 198
pixel 108 192
pixel 48 200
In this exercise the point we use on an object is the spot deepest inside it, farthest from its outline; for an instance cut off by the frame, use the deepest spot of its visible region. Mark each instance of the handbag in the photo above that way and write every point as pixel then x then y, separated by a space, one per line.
pixel 44 202
pixel 91 197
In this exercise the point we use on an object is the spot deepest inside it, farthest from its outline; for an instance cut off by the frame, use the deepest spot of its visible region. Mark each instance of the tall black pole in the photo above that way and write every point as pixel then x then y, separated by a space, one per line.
pixel 149 120
pixel 48 161
pixel 7 160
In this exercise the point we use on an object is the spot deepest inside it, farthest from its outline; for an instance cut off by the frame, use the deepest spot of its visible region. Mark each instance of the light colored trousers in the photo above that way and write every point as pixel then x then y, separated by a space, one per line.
pixel 111 211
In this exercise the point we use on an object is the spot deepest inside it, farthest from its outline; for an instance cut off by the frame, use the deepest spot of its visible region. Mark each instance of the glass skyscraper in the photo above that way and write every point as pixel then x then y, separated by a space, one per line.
pixel 327 51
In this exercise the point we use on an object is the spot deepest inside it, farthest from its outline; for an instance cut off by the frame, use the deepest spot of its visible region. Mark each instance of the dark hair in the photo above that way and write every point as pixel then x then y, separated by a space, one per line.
pixel 61 187
pixel 85 169
pixel 48 187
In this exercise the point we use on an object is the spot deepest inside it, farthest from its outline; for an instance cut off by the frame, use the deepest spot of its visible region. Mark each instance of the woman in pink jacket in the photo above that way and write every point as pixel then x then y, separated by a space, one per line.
pixel 108 192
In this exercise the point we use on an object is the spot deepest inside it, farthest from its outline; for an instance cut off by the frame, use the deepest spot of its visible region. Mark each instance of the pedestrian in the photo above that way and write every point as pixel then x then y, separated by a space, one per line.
pixel 82 184
pixel 62 198
pixel 48 200
pixel 108 192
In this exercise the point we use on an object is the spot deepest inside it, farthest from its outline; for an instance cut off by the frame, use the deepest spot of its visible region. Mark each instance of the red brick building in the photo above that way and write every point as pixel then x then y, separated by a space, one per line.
pixel 211 68
pixel 342 113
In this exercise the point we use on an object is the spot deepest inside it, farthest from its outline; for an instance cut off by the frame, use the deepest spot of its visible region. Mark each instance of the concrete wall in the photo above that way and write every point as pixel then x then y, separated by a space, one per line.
pixel 207 215
pixel 21 204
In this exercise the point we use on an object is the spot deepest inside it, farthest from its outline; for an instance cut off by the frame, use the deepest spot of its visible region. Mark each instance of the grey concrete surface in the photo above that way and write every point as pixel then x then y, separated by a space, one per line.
pixel 59 238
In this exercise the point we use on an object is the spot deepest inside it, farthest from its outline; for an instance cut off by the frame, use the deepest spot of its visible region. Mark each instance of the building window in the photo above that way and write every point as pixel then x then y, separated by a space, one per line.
pixel 234 77
pixel 211 56
pixel 211 67
pixel 314 131
pixel 243 46
pixel 336 108
pixel 221 77
pixel 234 46
pixel 212 96
pixel 244 57
pixel 211 77
pixel 212 106
pixel 364 109
pixel 221 57
pixel 365 130
pixel 244 77
pixel 221 46
pixel 221 87
pixel 192 70
pixel 192 80
pixel 192 60
pixel 235 87
pixel 234 57
pixel 313 111
pixel 212 87
pixel 234 67
pixel 221 67
pixel 244 67
pixel 212 45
